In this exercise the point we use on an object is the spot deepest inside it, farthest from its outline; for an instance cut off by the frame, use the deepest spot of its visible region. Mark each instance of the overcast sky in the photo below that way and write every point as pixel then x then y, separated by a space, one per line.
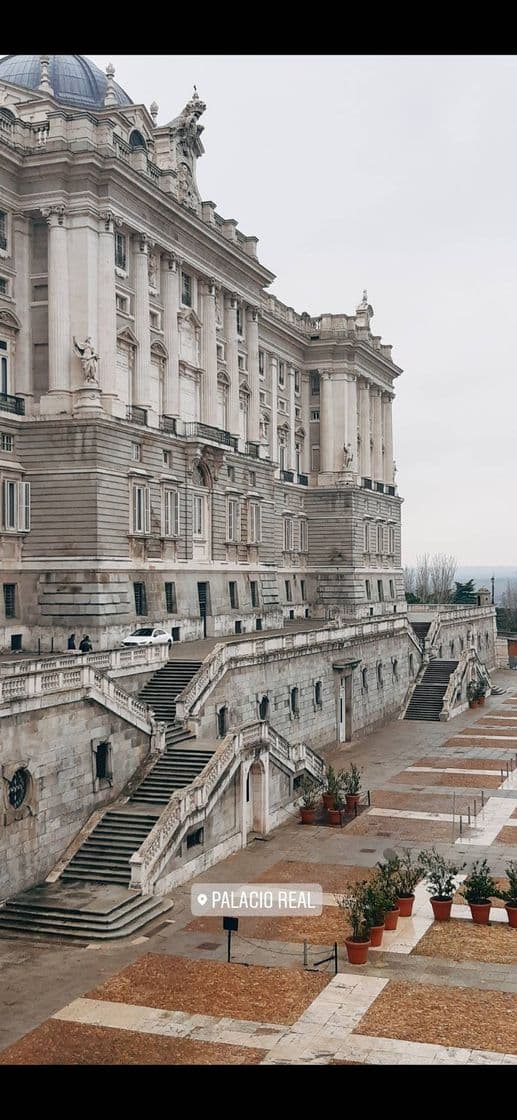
pixel 395 174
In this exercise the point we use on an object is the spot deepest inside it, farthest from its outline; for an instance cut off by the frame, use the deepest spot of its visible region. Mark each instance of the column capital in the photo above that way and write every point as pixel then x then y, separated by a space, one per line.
pixel 252 311
pixel 171 262
pixel 54 215
pixel 142 243
pixel 109 221
pixel 325 374
pixel 230 300
pixel 209 286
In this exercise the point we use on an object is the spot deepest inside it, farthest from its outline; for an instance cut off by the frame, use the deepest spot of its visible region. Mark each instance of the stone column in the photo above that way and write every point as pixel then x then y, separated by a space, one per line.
pixel 209 386
pixel 306 422
pixel 273 366
pixel 326 423
pixel 291 451
pixel 142 373
pixel 253 374
pixel 388 439
pixel 107 313
pixel 59 330
pixel 365 458
pixel 23 365
pixel 232 364
pixel 351 419
pixel 376 402
pixel 170 278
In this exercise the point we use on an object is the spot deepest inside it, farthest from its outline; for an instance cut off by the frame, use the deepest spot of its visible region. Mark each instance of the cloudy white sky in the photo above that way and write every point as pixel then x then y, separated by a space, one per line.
pixel 396 174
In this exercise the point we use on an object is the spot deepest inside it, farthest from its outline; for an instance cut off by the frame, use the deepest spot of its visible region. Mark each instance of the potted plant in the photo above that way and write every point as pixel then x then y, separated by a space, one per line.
pixel 354 906
pixel 439 875
pixel 479 887
pixel 407 875
pixel 387 875
pixel 375 905
pixel 352 785
pixel 481 692
pixel 334 814
pixel 309 794
pixel 472 694
pixel 510 896
pixel 333 783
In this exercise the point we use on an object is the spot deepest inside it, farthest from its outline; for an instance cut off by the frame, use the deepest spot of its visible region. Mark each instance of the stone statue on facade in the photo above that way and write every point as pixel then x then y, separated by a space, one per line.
pixel 348 456
pixel 88 358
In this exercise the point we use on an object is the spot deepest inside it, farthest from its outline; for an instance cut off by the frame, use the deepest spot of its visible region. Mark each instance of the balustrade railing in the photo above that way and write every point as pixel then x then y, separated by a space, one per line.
pixel 12 404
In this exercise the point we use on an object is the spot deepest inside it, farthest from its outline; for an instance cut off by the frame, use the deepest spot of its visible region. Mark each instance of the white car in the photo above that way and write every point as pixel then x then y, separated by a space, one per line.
pixel 148 636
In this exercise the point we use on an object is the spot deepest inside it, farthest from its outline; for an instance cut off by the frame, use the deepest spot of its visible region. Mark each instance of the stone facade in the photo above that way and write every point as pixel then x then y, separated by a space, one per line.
pixel 63 789
pixel 175 443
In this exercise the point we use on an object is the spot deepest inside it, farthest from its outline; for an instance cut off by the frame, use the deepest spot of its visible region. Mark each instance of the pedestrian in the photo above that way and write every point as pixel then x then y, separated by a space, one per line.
pixel 85 645
pixel 71 642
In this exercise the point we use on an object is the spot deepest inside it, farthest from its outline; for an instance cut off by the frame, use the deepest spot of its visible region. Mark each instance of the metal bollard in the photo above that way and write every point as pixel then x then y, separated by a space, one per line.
pixel 468 815
pixel 482 799
pixel 305 955
pixel 461 825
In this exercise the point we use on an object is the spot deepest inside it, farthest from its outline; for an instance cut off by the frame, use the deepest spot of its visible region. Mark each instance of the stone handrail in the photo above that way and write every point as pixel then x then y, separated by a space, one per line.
pixel 110 660
pixel 33 687
pixel 228 655
pixel 470 665
pixel 186 805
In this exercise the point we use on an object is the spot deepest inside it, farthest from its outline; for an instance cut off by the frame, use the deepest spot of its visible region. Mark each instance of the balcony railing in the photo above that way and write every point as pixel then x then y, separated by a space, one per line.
pixel 367 483
pixel 379 486
pixel 287 476
pixel 12 404
pixel 253 450
pixel 206 431
pixel 391 491
pixel 169 424
pixel 136 414
pixel 303 480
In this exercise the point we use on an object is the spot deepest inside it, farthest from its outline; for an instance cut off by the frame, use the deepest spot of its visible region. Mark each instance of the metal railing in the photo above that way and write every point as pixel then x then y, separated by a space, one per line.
pixel 287 476
pixel 136 414
pixel 12 404
pixel 253 450
pixel 207 431
pixel 303 480
pixel 169 424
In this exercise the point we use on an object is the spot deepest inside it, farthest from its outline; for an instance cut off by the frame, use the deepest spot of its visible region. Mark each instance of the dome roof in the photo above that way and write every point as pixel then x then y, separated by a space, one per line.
pixel 74 79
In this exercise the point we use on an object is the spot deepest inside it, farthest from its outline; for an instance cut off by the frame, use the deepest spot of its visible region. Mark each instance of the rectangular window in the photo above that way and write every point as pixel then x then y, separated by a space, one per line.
pixel 3 229
pixel 315 457
pixel 241 362
pixel 282 405
pixel 6 442
pixel 155 320
pixel 140 598
pixel 231 473
pixel 254 526
pixel 380 590
pixel 234 598
pixel 120 251
pixel 281 374
pixel 315 415
pixel 136 452
pixel 166 458
pixel 240 321
pixel 303 536
pixel 141 509
pixel 220 351
pixel 171 513
pixel 288 592
pixel 233 520
pixel 366 527
pixel 380 538
pixel 10 600
pixel 297 412
pixel 262 364
pixel 4 286
pixel 4 376
pixel 297 381
pixel 315 384
pixel 391 534
pixel 288 534
pixel 10 505
pixel 198 524
pixel 186 289
pixel 121 303
pixel 368 589
pixel 392 589
pixel 252 478
pixel 254 593
pixel 170 598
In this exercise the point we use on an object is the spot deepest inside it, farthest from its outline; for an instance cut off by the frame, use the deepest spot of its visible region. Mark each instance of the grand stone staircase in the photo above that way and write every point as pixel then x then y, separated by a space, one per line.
pixel 427 700
pixel 421 630
pixel 91 898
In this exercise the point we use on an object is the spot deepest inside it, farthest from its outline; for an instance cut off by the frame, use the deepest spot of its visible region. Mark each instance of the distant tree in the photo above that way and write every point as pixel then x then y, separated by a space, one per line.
pixel 442 570
pixel 423 579
pixel 507 612
pixel 465 592
pixel 409 585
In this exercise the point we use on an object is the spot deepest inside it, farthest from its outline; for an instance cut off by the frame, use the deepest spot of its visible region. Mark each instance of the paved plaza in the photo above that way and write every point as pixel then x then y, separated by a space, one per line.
pixel 432 994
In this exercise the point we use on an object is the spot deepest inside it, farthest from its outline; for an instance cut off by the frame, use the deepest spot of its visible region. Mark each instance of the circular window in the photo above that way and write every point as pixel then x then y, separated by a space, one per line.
pixel 18 788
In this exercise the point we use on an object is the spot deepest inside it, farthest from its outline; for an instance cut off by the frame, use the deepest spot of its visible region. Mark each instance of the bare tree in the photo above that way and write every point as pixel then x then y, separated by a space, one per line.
pixel 423 578
pixel 509 596
pixel 442 570
pixel 409 580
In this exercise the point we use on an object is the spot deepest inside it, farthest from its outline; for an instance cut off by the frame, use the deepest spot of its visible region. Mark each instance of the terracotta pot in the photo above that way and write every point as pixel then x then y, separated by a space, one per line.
pixel 473 703
pixel 357 951
pixel 481 701
pixel 441 909
pixel 328 800
pixel 308 816
pixel 391 918
pixel 334 816
pixel 480 912
pixel 512 915
pixel 376 933
pixel 405 905
pixel 352 799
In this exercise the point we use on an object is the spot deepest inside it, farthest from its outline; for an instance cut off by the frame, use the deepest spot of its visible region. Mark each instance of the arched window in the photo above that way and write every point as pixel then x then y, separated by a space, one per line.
pixel 364 679
pixel 222 721
pixel 136 140
pixel 479 641
pixel 380 681
pixel 318 694
pixel 411 666
pixel 451 647
pixel 294 702
pixel 263 707
pixel 395 669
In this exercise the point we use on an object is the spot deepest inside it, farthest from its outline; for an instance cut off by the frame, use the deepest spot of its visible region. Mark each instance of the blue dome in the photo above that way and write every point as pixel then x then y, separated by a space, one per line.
pixel 75 80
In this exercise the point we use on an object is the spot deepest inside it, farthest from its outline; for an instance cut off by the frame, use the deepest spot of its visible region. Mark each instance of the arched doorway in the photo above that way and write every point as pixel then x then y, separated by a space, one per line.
pixel 201 513
pixel 255 803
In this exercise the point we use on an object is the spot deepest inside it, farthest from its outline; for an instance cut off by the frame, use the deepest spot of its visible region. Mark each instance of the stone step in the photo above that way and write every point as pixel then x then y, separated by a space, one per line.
pixel 86 927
